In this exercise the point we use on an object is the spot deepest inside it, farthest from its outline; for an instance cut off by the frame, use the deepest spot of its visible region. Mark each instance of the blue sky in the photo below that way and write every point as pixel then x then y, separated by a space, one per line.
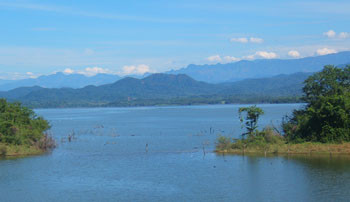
pixel 133 37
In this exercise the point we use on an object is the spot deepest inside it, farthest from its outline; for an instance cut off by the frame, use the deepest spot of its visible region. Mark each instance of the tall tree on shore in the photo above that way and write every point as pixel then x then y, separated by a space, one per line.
pixel 250 121
pixel 326 117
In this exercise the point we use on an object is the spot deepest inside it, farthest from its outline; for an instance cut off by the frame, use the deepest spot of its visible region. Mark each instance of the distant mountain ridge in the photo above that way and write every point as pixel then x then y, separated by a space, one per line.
pixel 217 73
pixel 160 89
pixel 60 80
pixel 245 69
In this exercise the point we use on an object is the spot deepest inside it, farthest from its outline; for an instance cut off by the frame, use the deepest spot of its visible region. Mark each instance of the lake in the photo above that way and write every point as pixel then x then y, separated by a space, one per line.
pixel 166 154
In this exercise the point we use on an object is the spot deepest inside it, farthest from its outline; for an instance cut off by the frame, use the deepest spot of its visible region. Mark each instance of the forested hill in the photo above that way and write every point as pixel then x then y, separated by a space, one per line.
pixel 280 85
pixel 161 89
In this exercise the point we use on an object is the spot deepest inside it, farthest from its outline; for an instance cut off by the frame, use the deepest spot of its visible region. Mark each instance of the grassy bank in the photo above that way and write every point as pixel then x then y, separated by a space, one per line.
pixel 19 150
pixel 284 148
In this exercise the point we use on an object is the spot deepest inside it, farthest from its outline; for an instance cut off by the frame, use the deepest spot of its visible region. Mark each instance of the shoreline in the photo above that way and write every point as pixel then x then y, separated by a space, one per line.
pixel 162 106
pixel 287 149
pixel 14 151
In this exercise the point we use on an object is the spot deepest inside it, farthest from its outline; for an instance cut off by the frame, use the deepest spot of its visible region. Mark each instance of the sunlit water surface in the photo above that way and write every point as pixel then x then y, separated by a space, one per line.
pixel 108 160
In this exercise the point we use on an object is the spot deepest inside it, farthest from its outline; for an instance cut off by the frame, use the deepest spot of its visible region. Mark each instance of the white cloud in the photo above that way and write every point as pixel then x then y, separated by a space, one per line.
pixel 333 35
pixel 91 71
pixel 261 54
pixel 266 55
pixel 231 59
pixel 294 53
pixel 325 51
pixel 136 69
pixel 225 59
pixel 330 34
pixel 249 57
pixel 31 75
pixel 214 58
pixel 240 40
pixel 246 40
pixel 68 71
pixel 256 40
pixel 344 35
pixel 17 75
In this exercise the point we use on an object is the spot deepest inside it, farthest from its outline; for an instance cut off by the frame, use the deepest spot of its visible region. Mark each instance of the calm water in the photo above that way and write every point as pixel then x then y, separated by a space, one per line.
pixel 108 160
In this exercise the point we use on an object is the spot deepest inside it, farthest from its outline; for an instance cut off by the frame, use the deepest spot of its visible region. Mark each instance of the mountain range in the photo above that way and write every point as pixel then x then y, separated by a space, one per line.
pixel 158 89
pixel 59 80
pixel 239 82
pixel 216 73
pixel 260 68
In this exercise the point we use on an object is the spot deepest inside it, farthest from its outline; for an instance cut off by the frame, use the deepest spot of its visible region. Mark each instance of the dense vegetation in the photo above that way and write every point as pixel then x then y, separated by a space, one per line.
pixel 325 119
pixel 22 127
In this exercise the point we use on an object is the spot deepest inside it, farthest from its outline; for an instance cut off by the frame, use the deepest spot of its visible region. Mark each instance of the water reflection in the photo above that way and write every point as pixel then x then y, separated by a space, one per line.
pixel 302 177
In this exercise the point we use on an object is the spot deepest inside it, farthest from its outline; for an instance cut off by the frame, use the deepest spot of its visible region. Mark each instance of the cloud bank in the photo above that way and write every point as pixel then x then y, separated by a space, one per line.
pixel 136 69
pixel 325 51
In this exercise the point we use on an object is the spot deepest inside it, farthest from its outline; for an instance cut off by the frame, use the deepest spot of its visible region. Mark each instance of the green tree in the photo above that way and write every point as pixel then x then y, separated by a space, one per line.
pixel 20 125
pixel 326 117
pixel 251 119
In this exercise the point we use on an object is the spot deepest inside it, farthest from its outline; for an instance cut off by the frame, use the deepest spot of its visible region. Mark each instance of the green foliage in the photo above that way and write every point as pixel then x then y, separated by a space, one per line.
pixel 326 117
pixel 256 139
pixel 251 119
pixel 223 142
pixel 20 125
pixel 3 150
pixel 260 140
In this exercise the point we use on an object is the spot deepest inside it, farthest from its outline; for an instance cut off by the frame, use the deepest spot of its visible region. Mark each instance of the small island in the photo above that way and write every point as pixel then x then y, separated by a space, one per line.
pixel 321 127
pixel 22 132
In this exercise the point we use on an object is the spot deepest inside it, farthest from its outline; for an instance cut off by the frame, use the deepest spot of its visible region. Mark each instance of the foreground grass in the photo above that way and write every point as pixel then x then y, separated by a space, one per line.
pixel 284 148
pixel 19 150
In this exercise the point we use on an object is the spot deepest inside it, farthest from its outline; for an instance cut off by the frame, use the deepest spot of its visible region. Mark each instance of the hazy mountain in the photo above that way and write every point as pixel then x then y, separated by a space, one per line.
pixel 260 68
pixel 60 80
pixel 209 73
pixel 4 81
pixel 160 89
pixel 280 85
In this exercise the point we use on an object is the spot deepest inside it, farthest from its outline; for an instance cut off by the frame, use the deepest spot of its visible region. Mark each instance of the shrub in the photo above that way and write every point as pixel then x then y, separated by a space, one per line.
pixel 238 144
pixel 3 150
pixel 223 143
pixel 46 142
pixel 271 136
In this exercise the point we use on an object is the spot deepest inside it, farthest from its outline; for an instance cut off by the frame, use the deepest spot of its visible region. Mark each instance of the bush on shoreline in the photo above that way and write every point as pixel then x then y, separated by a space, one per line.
pixel 260 140
pixel 20 126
